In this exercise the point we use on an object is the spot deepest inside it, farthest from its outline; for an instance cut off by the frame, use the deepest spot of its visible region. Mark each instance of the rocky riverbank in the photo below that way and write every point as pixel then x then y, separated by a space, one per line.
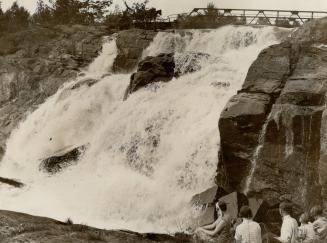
pixel 17 227
pixel 273 132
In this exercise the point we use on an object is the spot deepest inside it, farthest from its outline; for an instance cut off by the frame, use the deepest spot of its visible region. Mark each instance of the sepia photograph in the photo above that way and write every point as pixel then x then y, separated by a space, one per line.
pixel 163 121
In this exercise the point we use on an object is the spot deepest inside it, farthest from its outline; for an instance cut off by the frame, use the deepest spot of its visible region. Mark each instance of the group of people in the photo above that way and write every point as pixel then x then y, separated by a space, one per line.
pixel 249 231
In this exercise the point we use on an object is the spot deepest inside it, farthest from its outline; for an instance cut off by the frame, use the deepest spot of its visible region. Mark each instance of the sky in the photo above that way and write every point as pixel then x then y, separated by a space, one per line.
pixel 181 6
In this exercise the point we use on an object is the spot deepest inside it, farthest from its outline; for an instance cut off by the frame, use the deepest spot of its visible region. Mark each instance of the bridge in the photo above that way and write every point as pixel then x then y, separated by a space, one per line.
pixel 284 18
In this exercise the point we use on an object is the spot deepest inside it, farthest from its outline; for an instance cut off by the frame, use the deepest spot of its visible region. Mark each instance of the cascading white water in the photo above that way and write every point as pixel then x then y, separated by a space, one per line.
pixel 148 155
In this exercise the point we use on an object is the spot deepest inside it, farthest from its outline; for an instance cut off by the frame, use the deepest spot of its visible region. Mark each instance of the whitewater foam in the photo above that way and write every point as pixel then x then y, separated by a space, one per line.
pixel 148 155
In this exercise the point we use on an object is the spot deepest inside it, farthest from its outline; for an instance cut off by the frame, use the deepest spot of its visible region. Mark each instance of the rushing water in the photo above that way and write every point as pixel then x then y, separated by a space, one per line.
pixel 145 156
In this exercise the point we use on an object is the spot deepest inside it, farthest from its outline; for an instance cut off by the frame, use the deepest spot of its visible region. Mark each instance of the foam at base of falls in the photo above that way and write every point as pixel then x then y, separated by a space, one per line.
pixel 148 155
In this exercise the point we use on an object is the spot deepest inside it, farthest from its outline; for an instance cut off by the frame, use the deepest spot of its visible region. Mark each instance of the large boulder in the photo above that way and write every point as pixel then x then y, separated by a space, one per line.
pixel 62 159
pixel 273 132
pixel 234 202
pixel 131 44
pixel 150 70
pixel 205 203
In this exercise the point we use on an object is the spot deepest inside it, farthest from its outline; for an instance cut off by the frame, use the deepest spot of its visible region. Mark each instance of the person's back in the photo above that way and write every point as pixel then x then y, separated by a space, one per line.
pixel 248 231
pixel 289 230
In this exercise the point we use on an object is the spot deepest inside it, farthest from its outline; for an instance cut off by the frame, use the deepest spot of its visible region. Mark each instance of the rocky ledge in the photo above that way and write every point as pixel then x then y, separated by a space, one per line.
pixel 17 227
pixel 274 132
pixel 34 63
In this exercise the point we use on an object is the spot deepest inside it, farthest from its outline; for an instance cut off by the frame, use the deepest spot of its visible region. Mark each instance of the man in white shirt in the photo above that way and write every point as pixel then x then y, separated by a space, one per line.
pixel 289 230
pixel 248 231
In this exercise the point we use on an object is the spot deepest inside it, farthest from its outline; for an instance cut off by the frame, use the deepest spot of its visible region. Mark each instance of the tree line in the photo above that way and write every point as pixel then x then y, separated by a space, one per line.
pixel 85 12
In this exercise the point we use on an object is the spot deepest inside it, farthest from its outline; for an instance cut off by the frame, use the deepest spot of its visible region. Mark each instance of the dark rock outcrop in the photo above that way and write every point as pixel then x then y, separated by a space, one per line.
pixel 273 132
pixel 11 182
pixel 150 70
pixel 62 159
pixel 205 202
pixel 131 44
pixel 34 63
pixel 18 227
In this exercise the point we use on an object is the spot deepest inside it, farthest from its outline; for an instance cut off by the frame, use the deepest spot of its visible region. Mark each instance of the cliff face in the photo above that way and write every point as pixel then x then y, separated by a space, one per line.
pixel 273 132
pixel 35 63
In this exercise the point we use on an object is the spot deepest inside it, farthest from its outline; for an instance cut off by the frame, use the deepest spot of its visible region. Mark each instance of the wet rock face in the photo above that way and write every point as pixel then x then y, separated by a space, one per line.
pixel 273 132
pixel 61 160
pixel 34 63
pixel 130 44
pixel 243 117
pixel 151 70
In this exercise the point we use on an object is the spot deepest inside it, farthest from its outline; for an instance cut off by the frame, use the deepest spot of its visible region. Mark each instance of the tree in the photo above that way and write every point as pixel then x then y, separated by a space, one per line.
pixel 43 14
pixel 79 11
pixel 263 21
pixel 283 22
pixel 1 20
pixel 141 14
pixel 211 11
pixel 16 17
pixel 1 12
pixel 66 11
pixel 96 9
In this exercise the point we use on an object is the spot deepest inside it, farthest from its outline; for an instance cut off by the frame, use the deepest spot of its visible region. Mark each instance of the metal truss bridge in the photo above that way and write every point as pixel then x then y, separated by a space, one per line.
pixel 289 18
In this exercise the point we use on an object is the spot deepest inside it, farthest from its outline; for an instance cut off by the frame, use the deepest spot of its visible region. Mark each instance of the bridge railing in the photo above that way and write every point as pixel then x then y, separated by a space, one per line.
pixel 251 16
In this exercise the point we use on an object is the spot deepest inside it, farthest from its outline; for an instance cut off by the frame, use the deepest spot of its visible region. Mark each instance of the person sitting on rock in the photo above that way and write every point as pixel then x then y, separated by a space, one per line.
pixel 320 223
pixel 306 231
pixel 248 231
pixel 289 230
pixel 218 231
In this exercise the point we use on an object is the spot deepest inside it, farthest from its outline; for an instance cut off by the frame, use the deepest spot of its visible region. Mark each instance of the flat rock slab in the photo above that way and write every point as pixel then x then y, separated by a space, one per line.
pixel 18 227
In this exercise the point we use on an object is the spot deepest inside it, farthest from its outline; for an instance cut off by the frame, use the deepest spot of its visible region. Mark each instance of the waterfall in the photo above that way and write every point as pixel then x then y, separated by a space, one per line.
pixel 146 156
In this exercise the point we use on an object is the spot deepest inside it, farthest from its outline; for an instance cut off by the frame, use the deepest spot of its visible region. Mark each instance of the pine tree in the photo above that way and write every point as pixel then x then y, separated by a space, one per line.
pixel 16 18
pixel 43 14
